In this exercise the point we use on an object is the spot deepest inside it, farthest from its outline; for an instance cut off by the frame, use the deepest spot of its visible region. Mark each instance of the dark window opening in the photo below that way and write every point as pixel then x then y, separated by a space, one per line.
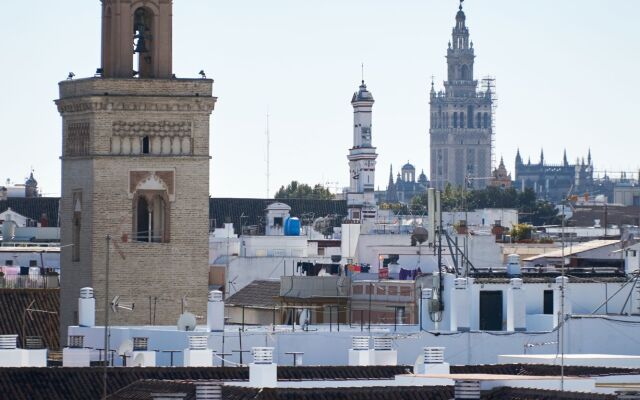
pixel 151 220
pixel 33 263
pixel 277 221
pixel 548 302
pixel 145 145
pixel 8 263
pixel 491 310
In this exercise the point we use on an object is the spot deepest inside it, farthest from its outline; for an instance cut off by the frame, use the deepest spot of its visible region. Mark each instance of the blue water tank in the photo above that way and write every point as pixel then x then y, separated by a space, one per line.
pixel 292 227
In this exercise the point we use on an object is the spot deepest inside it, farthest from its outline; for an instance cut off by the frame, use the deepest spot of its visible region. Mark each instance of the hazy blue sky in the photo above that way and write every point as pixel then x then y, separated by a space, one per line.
pixel 567 76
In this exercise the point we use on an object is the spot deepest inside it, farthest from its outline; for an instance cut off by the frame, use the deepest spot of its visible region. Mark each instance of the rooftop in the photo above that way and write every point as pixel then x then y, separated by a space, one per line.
pixel 257 294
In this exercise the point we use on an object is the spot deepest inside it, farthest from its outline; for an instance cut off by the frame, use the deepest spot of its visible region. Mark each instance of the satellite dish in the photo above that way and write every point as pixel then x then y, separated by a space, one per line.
pixel 125 348
pixel 138 360
pixel 187 322
pixel 419 235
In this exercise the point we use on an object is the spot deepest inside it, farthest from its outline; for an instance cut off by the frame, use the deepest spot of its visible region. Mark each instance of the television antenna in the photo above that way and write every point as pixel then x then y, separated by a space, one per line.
pixel 268 151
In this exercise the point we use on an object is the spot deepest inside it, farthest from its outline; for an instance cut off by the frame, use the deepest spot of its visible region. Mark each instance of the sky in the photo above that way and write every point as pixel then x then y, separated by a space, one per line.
pixel 566 77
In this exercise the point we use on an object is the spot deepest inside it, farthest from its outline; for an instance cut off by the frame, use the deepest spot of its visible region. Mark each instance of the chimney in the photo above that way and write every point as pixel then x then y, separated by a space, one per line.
pixel 513 265
pixel 86 308
pixel 516 311
pixel 359 354
pixel 383 353
pixel 10 355
pixel 76 355
pixel 467 389
pixel 461 302
pixel 198 354
pixel 215 312
pixel 141 356
pixel 263 373
pixel 433 361
pixel 208 390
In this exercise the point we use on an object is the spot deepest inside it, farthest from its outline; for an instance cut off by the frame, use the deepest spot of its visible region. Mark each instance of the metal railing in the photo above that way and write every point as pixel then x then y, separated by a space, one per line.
pixel 29 282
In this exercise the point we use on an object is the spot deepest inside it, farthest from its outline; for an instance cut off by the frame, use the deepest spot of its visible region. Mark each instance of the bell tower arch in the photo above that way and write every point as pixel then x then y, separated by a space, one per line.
pixel 137 38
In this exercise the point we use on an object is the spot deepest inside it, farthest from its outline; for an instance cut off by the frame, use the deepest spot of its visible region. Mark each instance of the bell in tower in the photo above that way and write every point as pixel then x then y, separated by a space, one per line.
pixel 137 39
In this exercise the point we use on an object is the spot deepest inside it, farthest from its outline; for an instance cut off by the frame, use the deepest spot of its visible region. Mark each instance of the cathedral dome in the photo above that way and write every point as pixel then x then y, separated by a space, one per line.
pixel 408 166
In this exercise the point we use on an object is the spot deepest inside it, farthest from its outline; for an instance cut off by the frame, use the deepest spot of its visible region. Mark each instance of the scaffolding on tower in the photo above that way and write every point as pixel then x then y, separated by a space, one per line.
pixel 489 84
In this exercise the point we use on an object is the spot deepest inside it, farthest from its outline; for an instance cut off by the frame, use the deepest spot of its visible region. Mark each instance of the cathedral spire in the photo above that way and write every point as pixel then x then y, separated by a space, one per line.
pixel 541 156
pixel 589 157
pixel 564 158
pixel 518 157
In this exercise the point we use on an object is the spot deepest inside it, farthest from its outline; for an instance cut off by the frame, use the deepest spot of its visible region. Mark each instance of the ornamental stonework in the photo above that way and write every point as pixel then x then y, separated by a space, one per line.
pixel 77 140
pixel 152 137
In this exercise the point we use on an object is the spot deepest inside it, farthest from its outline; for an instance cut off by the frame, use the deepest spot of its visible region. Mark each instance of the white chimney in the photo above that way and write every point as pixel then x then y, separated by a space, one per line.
pixel 561 282
pixel 215 312
pixel 10 355
pixel 516 310
pixel 198 354
pixel 383 352
pixel 86 308
pixel 461 296
pixel 433 361
pixel 466 389
pixel 208 390
pixel 141 356
pixel 76 355
pixel 513 265
pixel 359 354
pixel 263 373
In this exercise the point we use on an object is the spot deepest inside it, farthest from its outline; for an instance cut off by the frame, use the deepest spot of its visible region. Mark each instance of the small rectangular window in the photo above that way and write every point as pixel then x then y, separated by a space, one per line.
pixel 33 263
pixel 548 302
pixel 8 263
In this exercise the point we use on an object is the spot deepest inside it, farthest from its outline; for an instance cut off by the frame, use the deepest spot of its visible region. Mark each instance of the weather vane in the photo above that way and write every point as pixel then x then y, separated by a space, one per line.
pixel 461 1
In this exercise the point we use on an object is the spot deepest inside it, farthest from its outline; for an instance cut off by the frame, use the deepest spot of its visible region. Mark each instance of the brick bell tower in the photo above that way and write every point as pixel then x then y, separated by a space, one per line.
pixel 135 167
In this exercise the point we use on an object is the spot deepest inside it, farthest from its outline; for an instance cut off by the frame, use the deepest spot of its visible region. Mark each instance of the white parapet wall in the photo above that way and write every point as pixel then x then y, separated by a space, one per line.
pixel 585 360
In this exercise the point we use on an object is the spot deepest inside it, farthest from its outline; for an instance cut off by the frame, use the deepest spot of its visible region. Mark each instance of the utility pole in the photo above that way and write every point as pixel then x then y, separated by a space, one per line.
pixel 106 320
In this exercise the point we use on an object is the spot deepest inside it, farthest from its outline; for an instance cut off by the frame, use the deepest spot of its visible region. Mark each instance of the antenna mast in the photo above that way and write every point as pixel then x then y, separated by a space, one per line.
pixel 268 151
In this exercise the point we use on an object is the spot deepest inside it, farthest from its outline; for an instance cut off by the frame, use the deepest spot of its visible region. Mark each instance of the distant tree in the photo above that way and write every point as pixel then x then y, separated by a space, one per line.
pixel 533 211
pixel 521 232
pixel 296 190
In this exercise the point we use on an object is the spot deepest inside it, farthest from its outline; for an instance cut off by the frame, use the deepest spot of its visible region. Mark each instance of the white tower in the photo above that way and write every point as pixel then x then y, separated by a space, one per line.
pixel 362 160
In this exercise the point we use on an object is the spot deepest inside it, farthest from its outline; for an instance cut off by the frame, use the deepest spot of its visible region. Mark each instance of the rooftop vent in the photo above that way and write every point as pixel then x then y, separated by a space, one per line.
pixel 382 343
pixel 76 342
pixel 198 342
pixel 86 293
pixel 8 342
pixel 433 355
pixel 215 295
pixel 460 283
pixel 360 343
pixel 34 343
pixel 140 343
pixel 208 390
pixel 262 355
pixel 467 389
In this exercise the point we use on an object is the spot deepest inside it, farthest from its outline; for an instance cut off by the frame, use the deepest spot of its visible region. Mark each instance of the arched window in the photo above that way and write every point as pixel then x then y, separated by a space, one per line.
pixel 143 41
pixel 151 214
pixel 145 145
pixel 461 120
pixel 464 72
pixel 486 120
pixel 478 120
pixel 455 119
